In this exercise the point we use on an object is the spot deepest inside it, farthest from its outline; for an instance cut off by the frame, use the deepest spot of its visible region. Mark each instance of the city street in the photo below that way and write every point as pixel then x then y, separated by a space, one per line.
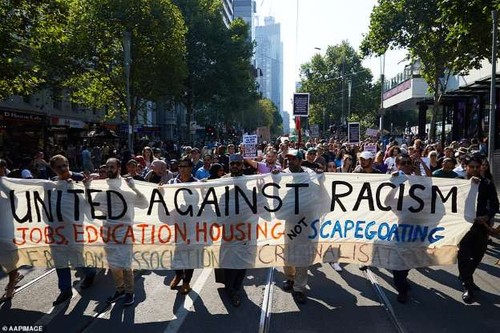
pixel 347 301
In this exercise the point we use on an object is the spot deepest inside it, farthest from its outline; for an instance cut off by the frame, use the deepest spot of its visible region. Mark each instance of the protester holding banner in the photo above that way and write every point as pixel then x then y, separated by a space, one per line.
pixel 185 176
pixel 296 277
pixel 474 244
pixel 233 278
pixel 64 176
pixel 119 255
pixel 404 166
pixel 8 255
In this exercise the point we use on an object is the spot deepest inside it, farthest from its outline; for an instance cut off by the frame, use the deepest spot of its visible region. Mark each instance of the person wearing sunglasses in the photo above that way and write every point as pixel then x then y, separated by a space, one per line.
pixel 64 176
pixel 185 176
pixel 231 277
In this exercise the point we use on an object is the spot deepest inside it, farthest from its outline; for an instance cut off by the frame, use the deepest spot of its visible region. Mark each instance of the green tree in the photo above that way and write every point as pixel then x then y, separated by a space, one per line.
pixel 326 78
pixel 236 91
pixel 95 34
pixel 28 30
pixel 447 37
pixel 204 41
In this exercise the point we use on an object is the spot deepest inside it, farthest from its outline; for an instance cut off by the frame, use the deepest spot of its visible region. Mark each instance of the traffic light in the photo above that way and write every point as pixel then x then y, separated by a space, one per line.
pixel 210 131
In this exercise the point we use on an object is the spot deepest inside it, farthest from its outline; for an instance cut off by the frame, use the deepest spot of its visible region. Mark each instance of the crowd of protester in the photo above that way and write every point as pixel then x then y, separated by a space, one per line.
pixel 154 163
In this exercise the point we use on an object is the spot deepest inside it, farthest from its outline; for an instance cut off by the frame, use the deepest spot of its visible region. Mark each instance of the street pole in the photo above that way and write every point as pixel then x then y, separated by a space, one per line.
pixel 381 111
pixel 127 37
pixel 492 117
pixel 349 84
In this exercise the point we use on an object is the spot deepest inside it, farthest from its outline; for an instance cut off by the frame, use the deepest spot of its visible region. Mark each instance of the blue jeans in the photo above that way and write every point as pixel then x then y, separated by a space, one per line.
pixel 64 277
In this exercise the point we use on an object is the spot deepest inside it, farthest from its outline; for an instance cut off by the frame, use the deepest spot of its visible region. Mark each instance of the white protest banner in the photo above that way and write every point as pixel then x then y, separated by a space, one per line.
pixel 396 222
pixel 250 143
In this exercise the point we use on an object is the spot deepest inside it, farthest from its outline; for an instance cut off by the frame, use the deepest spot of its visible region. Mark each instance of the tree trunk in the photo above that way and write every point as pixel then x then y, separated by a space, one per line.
pixel 434 111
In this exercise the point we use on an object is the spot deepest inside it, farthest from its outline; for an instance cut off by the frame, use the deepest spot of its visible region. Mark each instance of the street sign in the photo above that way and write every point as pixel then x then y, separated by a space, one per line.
pixel 301 104
pixel 353 134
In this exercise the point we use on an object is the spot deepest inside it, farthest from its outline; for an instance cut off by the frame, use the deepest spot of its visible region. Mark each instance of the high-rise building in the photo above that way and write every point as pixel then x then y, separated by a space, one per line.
pixel 269 59
pixel 246 10
pixel 227 11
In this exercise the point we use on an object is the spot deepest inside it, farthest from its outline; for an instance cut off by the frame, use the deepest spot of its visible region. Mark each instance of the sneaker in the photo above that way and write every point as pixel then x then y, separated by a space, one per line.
pixel 87 282
pixel 300 297
pixel 363 268
pixel 185 289
pixel 337 267
pixel 468 296
pixel 288 285
pixel 175 282
pixel 115 297
pixel 63 297
pixel 129 299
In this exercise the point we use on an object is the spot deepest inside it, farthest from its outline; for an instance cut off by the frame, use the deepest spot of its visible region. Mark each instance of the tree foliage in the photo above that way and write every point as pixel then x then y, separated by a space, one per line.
pixel 326 78
pixel 447 36
pixel 96 34
pixel 218 59
pixel 28 29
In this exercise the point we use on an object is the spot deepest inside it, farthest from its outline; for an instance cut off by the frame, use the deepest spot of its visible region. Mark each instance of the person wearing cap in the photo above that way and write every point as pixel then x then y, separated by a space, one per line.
pixel 296 277
pixel 185 176
pixel 365 166
pixel 474 244
pixel 131 166
pixel 233 278
pixel 310 160
pixel 266 166
pixel 366 163
pixel 157 154
pixel 174 167
pixel 196 158
pixel 447 170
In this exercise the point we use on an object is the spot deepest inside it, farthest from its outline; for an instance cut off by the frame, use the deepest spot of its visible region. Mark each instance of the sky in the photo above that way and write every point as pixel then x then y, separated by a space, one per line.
pixel 321 23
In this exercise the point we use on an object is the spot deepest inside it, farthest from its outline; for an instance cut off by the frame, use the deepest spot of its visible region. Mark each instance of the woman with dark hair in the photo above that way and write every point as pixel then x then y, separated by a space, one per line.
pixel 216 171
pixel 485 170
pixel 147 153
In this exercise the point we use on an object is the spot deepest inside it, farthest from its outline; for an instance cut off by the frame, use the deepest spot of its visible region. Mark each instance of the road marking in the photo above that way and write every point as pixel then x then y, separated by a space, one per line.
pixel 385 301
pixel 265 315
pixel 181 314
pixel 24 286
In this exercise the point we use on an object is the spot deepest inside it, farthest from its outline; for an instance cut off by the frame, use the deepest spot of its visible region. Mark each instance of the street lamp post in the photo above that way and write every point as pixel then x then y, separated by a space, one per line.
pixel 127 37
pixel 492 136
pixel 381 110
